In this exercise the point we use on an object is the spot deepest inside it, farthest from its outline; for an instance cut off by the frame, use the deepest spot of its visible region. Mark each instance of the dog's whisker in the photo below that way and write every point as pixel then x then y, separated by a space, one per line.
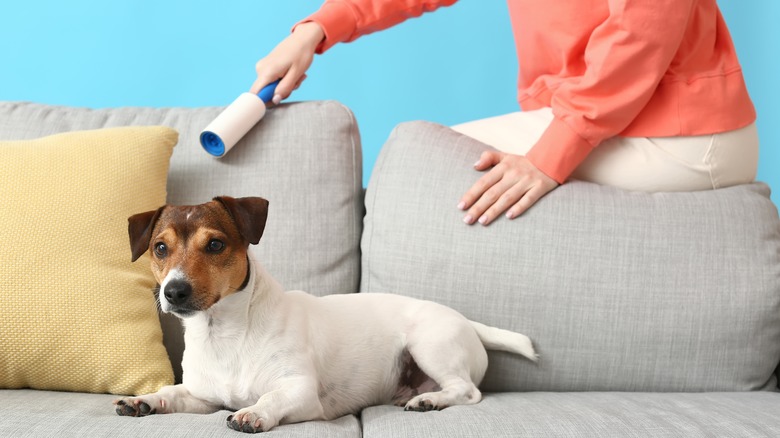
pixel 156 291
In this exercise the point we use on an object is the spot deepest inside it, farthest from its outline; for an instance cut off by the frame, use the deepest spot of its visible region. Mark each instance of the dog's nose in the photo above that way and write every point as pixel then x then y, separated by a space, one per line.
pixel 177 292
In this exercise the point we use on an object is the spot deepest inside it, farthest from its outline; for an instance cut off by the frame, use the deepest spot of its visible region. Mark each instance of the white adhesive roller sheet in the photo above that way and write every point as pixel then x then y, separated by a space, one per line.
pixel 235 121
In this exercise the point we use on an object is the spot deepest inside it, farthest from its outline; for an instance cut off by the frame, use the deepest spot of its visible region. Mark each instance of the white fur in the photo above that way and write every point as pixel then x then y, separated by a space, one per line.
pixel 280 356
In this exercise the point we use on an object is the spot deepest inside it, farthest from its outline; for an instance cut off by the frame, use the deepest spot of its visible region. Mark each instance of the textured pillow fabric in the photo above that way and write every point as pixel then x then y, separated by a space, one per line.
pixel 76 314
pixel 620 291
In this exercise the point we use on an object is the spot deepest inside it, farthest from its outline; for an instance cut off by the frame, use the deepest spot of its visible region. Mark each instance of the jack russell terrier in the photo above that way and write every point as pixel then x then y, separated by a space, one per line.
pixel 285 357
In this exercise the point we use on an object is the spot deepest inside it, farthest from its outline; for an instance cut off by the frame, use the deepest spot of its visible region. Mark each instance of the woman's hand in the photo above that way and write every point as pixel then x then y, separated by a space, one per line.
pixel 289 61
pixel 513 185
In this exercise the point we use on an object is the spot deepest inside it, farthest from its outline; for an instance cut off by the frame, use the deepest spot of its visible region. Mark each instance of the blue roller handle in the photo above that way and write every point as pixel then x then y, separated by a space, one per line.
pixel 267 93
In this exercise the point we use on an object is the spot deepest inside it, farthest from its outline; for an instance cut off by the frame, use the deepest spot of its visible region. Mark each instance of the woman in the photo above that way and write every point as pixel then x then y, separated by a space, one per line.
pixel 638 94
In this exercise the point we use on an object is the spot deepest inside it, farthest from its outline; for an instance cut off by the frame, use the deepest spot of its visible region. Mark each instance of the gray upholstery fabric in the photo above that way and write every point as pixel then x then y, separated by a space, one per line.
pixel 305 158
pixel 620 291
pixel 28 413
pixel 57 414
pixel 606 414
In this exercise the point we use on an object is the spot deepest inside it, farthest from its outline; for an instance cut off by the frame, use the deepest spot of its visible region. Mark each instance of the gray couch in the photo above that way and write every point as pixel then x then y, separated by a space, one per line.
pixel 654 314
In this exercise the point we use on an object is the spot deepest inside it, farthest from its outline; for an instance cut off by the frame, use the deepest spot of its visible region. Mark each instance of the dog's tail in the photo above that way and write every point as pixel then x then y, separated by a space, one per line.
pixel 504 340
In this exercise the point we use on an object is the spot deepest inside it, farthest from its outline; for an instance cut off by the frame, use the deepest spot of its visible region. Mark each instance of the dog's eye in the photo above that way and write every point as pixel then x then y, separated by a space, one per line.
pixel 161 250
pixel 215 246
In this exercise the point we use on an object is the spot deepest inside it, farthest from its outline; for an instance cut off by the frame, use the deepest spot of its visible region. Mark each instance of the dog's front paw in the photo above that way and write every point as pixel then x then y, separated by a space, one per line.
pixel 247 422
pixel 133 407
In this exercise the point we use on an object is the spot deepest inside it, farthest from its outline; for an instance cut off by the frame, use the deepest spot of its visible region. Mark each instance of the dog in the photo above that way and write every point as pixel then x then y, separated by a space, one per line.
pixel 278 357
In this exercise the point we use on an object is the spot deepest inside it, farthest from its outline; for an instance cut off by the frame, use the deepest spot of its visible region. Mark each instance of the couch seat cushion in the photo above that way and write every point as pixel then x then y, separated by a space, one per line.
pixel 588 414
pixel 29 413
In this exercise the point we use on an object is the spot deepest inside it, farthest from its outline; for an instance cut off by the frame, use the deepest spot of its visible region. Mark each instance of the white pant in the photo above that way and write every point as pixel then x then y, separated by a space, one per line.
pixel 654 164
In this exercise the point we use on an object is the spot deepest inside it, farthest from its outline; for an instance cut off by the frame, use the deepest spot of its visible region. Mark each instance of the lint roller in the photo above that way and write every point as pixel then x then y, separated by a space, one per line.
pixel 236 120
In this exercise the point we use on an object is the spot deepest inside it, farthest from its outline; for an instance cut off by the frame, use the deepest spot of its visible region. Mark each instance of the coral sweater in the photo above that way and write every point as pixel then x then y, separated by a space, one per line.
pixel 635 68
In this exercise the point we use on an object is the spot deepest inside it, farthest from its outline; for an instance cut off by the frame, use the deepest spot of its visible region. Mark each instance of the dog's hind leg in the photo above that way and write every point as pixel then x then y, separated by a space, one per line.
pixel 449 352
pixel 168 400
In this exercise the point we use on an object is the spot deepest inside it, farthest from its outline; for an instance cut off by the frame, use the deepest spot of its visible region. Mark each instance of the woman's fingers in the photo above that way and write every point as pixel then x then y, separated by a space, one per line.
pixel 511 186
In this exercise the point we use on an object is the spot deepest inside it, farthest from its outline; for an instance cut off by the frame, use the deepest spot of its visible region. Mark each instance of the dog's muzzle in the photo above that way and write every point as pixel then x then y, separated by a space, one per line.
pixel 178 294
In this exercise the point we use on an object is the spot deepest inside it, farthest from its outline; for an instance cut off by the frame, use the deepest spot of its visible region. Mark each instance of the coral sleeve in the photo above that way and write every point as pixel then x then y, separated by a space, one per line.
pixel 627 56
pixel 346 20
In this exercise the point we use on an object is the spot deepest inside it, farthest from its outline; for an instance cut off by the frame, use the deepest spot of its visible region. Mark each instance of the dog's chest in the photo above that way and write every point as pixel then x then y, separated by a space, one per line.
pixel 227 370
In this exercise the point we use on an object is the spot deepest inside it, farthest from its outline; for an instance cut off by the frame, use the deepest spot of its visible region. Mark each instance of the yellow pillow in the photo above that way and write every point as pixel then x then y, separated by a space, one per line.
pixel 75 313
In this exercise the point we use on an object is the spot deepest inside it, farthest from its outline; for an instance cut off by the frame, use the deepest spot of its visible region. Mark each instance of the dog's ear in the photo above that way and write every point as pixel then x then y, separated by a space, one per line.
pixel 249 215
pixel 140 227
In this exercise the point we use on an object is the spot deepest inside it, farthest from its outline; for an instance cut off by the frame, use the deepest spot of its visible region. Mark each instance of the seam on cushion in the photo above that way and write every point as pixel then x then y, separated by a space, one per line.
pixel 376 173
pixel 355 133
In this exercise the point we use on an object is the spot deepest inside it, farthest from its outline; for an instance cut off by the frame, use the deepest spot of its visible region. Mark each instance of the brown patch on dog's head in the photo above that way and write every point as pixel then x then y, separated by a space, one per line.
pixel 204 246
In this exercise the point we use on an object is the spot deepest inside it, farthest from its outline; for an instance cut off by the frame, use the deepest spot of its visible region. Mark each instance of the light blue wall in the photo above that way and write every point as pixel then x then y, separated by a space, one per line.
pixel 753 26
pixel 455 65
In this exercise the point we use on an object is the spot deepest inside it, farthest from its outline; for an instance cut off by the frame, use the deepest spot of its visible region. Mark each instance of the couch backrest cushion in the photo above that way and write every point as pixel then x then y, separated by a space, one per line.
pixel 305 158
pixel 620 291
